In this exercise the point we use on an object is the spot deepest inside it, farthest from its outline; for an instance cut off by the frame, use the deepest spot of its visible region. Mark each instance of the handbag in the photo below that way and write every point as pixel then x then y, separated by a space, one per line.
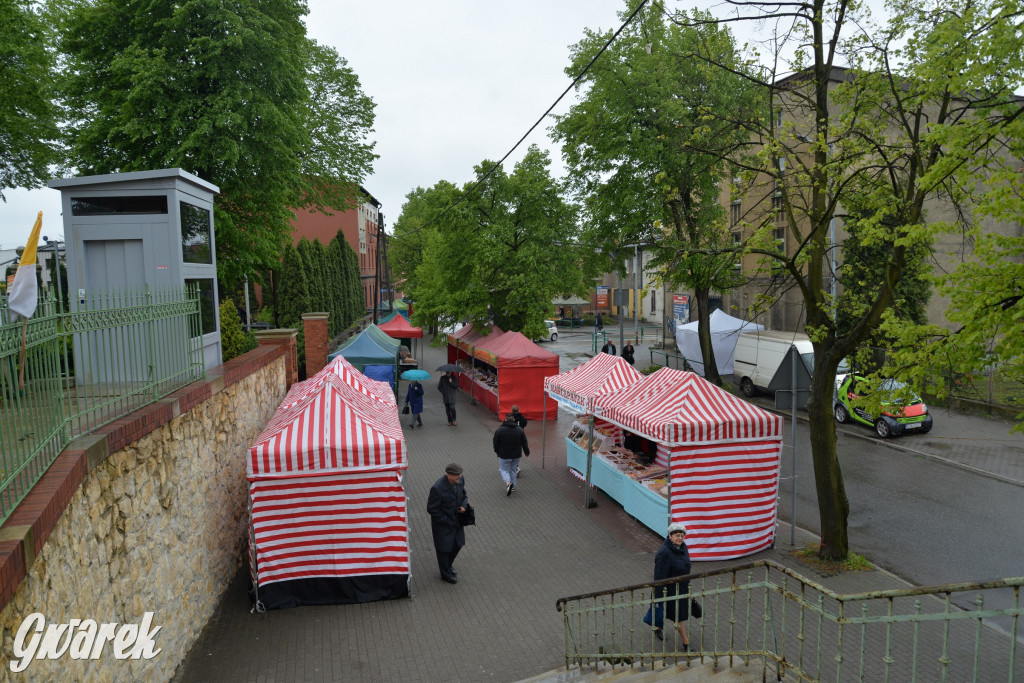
pixel 696 611
pixel 405 410
pixel 467 517
pixel 655 615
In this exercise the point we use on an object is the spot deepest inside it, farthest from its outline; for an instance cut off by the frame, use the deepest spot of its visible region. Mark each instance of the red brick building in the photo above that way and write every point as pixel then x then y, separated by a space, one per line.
pixel 360 228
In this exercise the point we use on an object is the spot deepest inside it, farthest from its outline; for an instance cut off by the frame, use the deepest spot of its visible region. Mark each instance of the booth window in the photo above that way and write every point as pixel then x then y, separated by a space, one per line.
pixel 195 234
pixel 206 304
pixel 107 206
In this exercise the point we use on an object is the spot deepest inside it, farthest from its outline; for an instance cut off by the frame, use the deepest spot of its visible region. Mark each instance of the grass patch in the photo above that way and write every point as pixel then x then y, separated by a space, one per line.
pixel 808 555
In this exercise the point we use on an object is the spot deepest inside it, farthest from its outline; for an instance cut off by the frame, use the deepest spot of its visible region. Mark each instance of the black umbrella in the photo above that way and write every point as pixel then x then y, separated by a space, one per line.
pixel 449 367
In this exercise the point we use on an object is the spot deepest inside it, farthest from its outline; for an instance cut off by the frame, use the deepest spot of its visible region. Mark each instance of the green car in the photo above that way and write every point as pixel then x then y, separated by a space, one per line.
pixel 895 416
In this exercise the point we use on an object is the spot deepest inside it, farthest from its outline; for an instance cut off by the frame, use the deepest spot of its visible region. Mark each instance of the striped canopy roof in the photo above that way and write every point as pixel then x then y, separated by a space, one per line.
pixel 328 425
pixel 340 367
pixel 601 374
pixel 672 407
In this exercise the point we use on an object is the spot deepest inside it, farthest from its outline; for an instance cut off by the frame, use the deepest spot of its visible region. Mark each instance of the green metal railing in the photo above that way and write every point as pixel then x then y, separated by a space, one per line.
pixel 768 618
pixel 672 360
pixel 114 353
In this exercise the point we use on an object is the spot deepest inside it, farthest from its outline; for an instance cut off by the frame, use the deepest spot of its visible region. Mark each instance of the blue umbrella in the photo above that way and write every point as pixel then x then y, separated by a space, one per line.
pixel 415 374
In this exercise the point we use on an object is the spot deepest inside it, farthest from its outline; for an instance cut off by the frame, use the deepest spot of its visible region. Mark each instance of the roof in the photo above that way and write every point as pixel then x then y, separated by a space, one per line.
pixel 399 328
pixel 512 349
pixel 365 349
pixel 328 426
pixel 672 407
pixel 599 375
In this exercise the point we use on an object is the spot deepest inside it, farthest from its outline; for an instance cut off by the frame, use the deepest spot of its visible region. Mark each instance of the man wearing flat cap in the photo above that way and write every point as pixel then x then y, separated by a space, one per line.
pixel 446 500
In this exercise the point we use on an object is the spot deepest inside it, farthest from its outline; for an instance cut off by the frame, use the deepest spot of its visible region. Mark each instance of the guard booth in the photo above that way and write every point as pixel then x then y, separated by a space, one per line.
pixel 134 237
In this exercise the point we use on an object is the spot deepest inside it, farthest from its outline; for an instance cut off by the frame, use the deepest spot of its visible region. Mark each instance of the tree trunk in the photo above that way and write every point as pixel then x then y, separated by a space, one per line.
pixel 833 506
pixel 707 351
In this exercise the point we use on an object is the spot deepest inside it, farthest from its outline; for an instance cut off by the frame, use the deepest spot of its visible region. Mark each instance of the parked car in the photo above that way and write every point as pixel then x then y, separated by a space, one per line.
pixel 759 355
pixel 899 411
pixel 552 331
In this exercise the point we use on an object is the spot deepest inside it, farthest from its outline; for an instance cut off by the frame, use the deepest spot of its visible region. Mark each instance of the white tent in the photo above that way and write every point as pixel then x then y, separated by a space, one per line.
pixel 724 330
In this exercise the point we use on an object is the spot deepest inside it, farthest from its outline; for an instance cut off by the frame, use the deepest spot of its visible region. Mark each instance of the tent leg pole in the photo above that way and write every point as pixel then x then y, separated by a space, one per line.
pixel 587 501
pixel 544 432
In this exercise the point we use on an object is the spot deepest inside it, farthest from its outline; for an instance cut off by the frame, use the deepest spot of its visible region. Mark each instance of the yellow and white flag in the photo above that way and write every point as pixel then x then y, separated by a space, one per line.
pixel 23 293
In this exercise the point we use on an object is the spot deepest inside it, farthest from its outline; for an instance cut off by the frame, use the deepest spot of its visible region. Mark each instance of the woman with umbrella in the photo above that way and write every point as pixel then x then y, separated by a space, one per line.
pixel 414 397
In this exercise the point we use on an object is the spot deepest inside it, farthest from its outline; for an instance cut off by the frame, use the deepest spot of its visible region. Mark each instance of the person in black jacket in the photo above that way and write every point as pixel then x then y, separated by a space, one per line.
pixel 447 498
pixel 510 444
pixel 608 348
pixel 449 388
pixel 628 351
pixel 519 417
pixel 671 560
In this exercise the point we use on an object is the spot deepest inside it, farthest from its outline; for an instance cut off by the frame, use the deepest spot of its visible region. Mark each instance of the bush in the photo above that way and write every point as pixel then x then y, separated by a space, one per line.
pixel 233 339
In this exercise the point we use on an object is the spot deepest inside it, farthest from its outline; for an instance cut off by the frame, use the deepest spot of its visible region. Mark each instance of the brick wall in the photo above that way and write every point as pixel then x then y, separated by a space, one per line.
pixel 315 333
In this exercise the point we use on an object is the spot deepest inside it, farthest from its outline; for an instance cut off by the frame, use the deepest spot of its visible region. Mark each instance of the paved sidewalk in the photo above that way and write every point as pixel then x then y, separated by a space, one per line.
pixel 499 623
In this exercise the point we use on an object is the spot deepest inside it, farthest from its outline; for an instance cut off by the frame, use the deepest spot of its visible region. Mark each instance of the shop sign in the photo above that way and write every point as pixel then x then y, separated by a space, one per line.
pixel 680 309
pixel 602 296
pixel 486 356
pixel 570 404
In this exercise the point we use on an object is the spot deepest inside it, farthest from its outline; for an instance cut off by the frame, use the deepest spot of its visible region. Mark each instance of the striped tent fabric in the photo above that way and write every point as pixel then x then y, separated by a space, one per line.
pixel 328 512
pixel 672 406
pixel 599 375
pixel 726 494
pixel 333 428
pixel 724 456
pixel 335 526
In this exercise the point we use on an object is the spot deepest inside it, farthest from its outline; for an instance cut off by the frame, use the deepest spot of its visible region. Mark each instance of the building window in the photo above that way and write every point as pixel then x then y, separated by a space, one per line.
pixel 195 234
pixel 734 213
pixel 207 315
pixel 106 206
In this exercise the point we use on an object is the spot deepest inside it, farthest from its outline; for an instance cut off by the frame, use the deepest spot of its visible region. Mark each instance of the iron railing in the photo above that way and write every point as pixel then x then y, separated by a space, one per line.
pixel 774 621
pixel 672 360
pixel 65 373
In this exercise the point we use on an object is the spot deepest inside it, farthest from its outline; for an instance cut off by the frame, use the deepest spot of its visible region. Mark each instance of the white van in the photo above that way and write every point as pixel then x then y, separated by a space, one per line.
pixel 759 355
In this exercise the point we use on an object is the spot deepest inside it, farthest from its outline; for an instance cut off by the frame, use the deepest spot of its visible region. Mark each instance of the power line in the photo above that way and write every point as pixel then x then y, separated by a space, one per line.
pixel 532 128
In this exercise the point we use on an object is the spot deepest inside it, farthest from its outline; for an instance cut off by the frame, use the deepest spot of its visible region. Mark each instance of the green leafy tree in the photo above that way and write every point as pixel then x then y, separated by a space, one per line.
pixel 647 146
pixel 926 102
pixel 502 254
pixel 234 93
pixel 292 290
pixel 233 339
pixel 28 114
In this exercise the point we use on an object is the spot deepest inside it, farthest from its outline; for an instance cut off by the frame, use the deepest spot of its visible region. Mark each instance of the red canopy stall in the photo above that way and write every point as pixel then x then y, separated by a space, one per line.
pixel 328 512
pixel 724 459
pixel 397 327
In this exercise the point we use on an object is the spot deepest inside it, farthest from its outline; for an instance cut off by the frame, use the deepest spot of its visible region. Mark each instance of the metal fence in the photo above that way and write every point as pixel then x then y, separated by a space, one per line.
pixel 65 373
pixel 769 618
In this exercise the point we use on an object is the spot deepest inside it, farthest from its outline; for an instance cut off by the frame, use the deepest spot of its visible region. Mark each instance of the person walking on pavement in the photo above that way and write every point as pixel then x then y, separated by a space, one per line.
pixel 598 323
pixel 671 560
pixel 447 499
pixel 510 444
pixel 414 399
pixel 608 348
pixel 449 387
pixel 519 417
pixel 628 351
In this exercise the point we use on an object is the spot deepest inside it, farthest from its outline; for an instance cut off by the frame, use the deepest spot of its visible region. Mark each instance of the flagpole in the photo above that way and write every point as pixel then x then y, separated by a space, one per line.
pixel 21 368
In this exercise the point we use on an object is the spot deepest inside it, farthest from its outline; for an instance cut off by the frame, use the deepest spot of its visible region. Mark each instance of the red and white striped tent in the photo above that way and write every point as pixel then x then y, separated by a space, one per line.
pixel 577 388
pixel 328 513
pixel 724 458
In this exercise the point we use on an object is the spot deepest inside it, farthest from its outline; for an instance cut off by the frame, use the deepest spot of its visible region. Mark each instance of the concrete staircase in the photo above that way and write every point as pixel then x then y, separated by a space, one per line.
pixel 692 672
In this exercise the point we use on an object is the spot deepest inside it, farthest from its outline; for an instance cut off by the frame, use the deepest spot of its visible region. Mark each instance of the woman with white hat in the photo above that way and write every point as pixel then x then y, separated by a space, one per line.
pixel 672 560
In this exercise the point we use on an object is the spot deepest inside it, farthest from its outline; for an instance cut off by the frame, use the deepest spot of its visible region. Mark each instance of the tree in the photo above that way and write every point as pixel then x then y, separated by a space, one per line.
pixel 502 254
pixel 28 115
pixel 647 147
pixel 923 102
pixel 235 93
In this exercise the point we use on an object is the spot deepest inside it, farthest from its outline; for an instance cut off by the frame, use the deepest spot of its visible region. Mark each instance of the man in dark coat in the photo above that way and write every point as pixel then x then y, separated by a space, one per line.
pixel 608 348
pixel 447 498
pixel 509 445
pixel 449 388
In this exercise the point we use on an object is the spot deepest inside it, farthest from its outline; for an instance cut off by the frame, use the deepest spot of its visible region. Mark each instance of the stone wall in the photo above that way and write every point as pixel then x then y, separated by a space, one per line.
pixel 158 525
